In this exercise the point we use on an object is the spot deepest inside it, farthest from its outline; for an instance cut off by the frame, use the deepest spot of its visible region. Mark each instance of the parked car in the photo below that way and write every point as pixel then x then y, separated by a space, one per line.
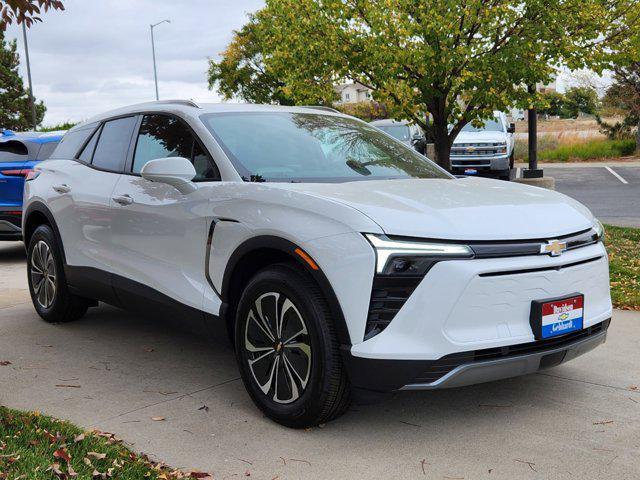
pixel 485 150
pixel 19 153
pixel 407 133
pixel 344 264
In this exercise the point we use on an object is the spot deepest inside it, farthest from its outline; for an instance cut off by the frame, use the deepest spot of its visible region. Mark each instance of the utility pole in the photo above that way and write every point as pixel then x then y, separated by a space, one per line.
pixel 153 52
pixel 31 99
pixel 532 171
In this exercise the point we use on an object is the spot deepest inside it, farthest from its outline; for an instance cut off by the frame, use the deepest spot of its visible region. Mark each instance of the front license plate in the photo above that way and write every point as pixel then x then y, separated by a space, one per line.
pixel 559 316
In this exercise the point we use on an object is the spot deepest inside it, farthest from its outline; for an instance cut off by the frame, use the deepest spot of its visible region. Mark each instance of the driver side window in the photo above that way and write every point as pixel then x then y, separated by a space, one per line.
pixel 162 136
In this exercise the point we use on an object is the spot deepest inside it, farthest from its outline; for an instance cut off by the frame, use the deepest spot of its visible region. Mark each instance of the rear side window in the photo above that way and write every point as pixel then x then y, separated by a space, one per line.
pixel 113 144
pixel 72 142
pixel 46 150
pixel 13 151
pixel 162 136
pixel 87 151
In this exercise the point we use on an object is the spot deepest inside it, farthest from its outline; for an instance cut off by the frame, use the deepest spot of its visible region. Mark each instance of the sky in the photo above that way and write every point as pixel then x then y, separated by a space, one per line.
pixel 96 55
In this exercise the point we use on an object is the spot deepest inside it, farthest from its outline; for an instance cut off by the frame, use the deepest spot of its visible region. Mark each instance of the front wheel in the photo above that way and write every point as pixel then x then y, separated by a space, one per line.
pixel 287 349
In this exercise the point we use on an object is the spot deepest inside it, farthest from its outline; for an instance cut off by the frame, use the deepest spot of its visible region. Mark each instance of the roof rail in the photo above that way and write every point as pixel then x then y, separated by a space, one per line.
pixel 188 103
pixel 320 107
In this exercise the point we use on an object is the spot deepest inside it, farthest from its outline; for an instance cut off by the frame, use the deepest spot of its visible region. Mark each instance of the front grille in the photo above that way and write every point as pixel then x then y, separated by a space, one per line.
pixel 473 163
pixel 477 149
pixel 446 364
pixel 388 295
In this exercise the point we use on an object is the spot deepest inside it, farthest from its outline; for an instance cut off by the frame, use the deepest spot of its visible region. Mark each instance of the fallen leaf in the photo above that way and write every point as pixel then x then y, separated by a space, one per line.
pixel 97 456
pixel 199 475
pixel 204 407
pixel 158 419
pixel 4 363
pixel 63 454
pixel 71 471
pixel 79 438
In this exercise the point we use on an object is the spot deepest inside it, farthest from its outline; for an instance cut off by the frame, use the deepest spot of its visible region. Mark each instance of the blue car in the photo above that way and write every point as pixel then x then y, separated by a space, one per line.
pixel 19 153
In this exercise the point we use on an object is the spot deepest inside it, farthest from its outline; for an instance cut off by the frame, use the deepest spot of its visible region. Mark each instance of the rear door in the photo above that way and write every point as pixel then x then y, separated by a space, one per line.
pixel 82 194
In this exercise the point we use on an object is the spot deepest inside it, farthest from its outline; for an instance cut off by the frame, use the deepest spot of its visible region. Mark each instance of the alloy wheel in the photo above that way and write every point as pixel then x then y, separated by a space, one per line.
pixel 43 274
pixel 278 347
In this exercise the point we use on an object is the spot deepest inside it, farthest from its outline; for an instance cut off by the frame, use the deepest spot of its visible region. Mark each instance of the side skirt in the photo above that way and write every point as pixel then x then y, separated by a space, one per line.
pixel 133 296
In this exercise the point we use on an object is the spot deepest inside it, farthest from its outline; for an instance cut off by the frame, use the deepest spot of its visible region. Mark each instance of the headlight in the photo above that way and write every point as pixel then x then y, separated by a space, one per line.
pixel 502 148
pixel 409 257
pixel 599 229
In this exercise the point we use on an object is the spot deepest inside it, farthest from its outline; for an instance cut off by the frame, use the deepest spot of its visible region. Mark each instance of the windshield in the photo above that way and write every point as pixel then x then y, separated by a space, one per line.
pixel 308 147
pixel 493 125
pixel 400 132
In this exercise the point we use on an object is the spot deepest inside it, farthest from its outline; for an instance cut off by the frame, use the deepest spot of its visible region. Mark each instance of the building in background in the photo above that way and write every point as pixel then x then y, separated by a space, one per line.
pixel 353 92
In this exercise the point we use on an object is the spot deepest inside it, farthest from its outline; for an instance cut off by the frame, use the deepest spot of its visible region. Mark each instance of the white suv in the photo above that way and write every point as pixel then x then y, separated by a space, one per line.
pixel 344 264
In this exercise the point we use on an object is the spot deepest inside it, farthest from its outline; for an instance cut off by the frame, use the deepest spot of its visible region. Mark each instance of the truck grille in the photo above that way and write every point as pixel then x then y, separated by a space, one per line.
pixel 476 149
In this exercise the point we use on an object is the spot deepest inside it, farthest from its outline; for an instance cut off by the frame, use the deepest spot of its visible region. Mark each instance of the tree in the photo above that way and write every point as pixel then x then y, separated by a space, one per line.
pixel 553 104
pixel 580 100
pixel 366 111
pixel 458 60
pixel 15 105
pixel 26 11
pixel 242 73
pixel 624 94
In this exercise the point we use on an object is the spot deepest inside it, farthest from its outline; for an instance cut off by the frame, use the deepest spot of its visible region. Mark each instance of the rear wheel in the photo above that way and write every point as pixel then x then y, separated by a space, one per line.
pixel 47 284
pixel 287 349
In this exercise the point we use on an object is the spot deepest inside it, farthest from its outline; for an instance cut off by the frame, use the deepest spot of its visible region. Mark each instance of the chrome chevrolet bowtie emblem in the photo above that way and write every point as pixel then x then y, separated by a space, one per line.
pixel 553 248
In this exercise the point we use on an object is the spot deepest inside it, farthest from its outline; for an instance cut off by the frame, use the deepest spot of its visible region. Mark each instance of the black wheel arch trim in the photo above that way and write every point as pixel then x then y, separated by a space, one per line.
pixel 287 247
pixel 41 208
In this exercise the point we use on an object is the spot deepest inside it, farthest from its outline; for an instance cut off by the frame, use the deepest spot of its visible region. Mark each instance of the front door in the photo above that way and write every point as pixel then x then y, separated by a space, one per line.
pixel 159 233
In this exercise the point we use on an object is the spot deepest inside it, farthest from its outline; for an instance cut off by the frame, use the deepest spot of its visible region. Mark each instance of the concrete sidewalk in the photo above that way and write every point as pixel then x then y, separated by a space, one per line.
pixel 115 371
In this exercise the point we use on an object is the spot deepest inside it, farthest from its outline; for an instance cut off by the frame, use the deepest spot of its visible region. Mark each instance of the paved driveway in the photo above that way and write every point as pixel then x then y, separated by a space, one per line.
pixel 115 371
pixel 610 190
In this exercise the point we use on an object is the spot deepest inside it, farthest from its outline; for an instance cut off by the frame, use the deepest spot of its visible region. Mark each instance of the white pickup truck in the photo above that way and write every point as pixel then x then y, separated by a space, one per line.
pixel 487 150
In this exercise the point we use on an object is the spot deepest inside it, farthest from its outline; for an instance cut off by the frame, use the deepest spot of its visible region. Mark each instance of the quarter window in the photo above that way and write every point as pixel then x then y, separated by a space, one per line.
pixel 72 141
pixel 113 144
pixel 162 136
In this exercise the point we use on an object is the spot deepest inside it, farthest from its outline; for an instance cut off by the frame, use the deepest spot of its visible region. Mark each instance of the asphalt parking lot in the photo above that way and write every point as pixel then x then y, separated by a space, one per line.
pixel 610 190
pixel 115 371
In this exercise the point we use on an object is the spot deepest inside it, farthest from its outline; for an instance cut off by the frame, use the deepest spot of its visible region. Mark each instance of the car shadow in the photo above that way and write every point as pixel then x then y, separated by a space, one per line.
pixel 12 252
pixel 177 357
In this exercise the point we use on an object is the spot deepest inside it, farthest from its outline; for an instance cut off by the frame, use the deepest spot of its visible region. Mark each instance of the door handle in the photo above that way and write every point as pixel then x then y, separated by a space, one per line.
pixel 123 200
pixel 62 188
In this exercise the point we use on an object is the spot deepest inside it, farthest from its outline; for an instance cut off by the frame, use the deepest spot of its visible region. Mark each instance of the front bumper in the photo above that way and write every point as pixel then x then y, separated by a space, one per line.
pixel 369 377
pixel 495 163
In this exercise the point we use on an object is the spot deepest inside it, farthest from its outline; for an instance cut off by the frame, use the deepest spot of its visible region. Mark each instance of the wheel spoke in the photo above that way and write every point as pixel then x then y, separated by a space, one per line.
pixel 261 326
pixel 303 347
pixel 292 371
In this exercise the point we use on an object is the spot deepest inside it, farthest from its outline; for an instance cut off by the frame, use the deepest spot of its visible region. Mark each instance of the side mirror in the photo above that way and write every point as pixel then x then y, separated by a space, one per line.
pixel 511 128
pixel 175 171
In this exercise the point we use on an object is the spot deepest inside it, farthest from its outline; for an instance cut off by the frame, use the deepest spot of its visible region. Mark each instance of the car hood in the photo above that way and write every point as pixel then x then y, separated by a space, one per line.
pixel 458 209
pixel 480 137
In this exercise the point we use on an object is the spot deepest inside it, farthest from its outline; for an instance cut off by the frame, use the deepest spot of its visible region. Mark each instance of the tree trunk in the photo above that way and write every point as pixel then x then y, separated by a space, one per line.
pixel 442 142
pixel 638 138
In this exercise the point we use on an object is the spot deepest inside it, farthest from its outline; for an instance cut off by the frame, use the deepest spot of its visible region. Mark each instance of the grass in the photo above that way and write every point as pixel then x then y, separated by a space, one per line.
pixel 34 446
pixel 575 149
pixel 624 263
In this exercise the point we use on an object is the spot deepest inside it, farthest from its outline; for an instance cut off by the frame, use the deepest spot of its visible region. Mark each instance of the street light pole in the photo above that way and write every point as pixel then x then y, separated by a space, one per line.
pixel 153 52
pixel 31 99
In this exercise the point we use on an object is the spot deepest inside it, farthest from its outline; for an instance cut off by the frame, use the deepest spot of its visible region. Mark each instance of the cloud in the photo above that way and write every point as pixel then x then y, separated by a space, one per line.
pixel 95 56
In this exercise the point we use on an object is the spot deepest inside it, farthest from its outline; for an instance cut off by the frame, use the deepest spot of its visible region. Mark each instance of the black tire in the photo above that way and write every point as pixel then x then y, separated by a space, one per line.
pixel 325 394
pixel 512 159
pixel 49 292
